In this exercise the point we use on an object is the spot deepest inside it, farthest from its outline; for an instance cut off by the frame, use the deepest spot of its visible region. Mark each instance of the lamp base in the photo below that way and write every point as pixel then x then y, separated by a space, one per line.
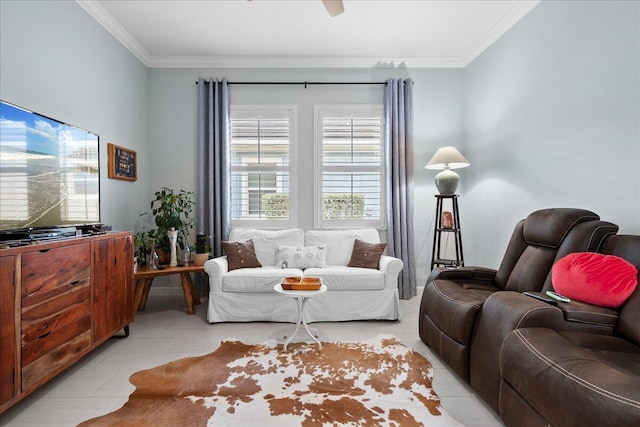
pixel 447 182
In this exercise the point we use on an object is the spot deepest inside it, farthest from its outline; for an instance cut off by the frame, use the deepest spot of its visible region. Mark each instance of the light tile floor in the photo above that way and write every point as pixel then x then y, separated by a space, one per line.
pixel 99 383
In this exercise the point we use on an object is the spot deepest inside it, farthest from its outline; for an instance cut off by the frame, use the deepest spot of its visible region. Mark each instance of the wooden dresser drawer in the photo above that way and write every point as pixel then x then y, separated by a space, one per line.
pixel 48 273
pixel 45 354
pixel 39 320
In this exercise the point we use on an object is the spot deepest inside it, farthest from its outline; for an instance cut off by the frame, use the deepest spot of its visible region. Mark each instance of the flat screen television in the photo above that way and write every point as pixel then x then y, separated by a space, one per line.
pixel 49 173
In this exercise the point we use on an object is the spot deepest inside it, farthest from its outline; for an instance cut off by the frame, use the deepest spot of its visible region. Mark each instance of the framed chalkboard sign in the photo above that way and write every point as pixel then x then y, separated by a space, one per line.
pixel 122 163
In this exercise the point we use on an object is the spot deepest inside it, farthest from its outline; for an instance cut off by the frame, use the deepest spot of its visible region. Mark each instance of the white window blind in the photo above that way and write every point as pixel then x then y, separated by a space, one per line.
pixel 350 166
pixel 261 171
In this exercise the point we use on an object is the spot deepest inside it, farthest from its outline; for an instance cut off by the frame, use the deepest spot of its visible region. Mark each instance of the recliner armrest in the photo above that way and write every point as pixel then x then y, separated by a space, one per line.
pixel 463 274
pixel 501 313
pixel 580 312
pixel 216 268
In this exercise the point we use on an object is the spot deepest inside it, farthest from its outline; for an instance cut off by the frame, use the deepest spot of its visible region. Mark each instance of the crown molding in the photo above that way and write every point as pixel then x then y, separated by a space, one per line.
pixel 96 11
pixel 300 62
pixel 498 30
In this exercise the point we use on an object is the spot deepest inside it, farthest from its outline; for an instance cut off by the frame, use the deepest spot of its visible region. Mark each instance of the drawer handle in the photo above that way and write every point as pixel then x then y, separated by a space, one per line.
pixel 74 283
pixel 44 335
pixel 44 251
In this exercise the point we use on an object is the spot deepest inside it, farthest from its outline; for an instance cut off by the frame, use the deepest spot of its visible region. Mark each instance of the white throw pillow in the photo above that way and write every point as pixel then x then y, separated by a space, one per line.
pixel 266 242
pixel 339 242
pixel 266 251
pixel 302 256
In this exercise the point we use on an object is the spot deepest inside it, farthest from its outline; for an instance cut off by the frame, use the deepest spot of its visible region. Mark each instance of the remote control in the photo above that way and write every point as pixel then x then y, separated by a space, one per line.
pixel 557 297
pixel 541 297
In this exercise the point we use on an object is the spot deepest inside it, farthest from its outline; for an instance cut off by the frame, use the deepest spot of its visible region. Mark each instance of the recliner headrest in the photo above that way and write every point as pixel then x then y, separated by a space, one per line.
pixel 624 246
pixel 548 227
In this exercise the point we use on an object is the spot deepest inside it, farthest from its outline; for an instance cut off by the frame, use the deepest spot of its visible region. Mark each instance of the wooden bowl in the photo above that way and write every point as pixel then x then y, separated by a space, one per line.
pixel 301 283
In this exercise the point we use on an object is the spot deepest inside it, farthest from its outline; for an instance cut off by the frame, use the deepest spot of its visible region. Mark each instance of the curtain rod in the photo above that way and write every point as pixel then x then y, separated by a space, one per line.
pixel 305 83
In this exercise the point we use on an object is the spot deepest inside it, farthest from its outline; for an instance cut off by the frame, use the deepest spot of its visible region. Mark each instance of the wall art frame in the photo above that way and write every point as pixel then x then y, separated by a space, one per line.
pixel 123 163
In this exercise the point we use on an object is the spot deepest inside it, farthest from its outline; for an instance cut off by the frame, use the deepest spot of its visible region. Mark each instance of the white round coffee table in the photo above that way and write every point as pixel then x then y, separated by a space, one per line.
pixel 301 298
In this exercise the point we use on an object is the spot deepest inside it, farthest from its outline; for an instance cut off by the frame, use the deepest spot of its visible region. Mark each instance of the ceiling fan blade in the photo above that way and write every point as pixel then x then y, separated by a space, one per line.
pixel 334 7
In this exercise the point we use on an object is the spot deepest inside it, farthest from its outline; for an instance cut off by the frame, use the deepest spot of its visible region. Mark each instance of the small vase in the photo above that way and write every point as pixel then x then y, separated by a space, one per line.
pixel 173 241
pixel 185 256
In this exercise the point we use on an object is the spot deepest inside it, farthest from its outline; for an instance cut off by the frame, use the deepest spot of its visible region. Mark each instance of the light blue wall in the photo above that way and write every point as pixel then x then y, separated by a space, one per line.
pixel 58 61
pixel 437 116
pixel 548 116
pixel 552 119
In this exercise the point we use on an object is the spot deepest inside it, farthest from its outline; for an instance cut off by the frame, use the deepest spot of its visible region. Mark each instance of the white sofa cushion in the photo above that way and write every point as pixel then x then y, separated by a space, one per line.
pixel 342 278
pixel 256 279
pixel 266 242
pixel 339 242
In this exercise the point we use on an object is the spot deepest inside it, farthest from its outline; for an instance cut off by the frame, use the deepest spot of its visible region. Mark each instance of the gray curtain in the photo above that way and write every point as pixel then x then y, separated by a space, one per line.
pixel 398 105
pixel 213 189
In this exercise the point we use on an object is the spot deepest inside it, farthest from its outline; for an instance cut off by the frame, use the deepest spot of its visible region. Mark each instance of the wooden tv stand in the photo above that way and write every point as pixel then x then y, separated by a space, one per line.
pixel 58 301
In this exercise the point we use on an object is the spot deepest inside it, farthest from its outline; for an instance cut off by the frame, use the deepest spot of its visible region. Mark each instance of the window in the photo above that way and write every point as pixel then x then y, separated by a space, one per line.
pixel 262 179
pixel 349 166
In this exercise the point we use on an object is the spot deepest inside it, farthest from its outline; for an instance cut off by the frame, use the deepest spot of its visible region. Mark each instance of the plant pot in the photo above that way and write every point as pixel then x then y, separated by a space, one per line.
pixel 164 256
pixel 200 259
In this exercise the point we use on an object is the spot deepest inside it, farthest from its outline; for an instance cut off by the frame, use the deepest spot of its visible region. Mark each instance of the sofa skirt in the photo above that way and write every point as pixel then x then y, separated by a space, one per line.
pixel 332 306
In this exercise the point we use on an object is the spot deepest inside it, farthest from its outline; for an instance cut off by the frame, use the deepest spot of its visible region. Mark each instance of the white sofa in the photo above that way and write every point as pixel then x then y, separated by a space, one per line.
pixel 246 294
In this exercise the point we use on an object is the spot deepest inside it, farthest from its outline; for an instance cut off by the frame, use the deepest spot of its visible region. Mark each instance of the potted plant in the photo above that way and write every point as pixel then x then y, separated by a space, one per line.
pixel 203 249
pixel 172 210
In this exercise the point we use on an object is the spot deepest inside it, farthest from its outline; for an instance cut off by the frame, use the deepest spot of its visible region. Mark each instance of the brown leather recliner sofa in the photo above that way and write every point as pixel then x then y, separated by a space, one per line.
pixel 564 375
pixel 452 300
pixel 465 314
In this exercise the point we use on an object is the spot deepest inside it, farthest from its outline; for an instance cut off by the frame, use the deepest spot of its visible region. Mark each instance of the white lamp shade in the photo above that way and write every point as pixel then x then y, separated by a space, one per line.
pixel 447 157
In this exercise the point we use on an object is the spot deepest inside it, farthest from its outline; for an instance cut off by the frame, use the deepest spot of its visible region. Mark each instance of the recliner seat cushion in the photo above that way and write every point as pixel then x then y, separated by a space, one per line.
pixel 610 350
pixel 574 379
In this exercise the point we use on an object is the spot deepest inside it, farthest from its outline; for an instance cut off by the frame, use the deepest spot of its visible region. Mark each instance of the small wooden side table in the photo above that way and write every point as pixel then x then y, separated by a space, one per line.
pixel 144 277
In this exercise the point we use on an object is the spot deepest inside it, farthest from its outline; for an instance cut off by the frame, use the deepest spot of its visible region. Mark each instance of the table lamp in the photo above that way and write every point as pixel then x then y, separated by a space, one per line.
pixel 445 159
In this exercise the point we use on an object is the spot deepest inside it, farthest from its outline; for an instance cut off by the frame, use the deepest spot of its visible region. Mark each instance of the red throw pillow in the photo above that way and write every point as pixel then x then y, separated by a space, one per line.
pixel 602 280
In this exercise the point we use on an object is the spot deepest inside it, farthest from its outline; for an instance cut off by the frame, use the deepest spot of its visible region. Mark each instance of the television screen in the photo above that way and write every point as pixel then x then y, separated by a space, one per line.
pixel 49 172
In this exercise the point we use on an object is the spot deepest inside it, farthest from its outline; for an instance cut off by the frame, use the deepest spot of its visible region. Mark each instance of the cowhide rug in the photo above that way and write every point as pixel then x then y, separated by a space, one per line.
pixel 379 382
